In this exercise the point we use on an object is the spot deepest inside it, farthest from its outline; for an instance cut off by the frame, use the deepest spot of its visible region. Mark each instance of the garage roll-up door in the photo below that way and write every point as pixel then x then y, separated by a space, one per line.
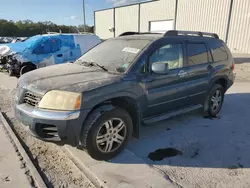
pixel 164 25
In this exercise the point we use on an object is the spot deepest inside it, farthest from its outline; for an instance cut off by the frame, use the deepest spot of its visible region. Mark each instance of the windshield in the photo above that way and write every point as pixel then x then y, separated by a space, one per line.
pixel 115 55
pixel 30 42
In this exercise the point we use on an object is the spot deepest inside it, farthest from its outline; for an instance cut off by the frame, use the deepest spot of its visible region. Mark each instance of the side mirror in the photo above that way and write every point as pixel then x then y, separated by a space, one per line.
pixel 160 68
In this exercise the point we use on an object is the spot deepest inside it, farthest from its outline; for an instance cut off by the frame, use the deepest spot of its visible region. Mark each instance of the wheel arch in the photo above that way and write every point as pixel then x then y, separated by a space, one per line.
pixel 127 103
pixel 29 63
pixel 222 81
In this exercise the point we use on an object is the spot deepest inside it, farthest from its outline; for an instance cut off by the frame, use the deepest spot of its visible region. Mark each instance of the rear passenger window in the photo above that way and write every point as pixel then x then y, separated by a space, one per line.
pixel 197 54
pixel 219 52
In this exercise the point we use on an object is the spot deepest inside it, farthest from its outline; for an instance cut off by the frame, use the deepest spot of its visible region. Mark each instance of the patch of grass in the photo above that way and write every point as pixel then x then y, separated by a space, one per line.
pixel 3 70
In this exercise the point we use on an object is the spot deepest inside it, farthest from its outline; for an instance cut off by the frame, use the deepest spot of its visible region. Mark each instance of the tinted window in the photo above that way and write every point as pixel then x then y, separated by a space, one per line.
pixel 171 54
pixel 197 54
pixel 218 51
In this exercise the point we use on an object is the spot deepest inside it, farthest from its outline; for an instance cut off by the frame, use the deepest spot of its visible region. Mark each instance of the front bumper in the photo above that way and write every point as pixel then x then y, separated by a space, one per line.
pixel 51 125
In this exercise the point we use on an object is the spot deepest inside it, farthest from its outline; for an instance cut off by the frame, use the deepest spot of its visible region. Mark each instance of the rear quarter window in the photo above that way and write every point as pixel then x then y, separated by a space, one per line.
pixel 197 53
pixel 218 51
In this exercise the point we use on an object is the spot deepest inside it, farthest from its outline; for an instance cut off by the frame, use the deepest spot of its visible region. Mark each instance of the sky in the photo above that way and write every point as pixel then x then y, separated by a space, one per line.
pixel 67 12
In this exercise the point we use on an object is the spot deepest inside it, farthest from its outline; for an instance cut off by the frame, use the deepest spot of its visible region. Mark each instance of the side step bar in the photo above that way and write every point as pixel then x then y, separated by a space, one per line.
pixel 171 114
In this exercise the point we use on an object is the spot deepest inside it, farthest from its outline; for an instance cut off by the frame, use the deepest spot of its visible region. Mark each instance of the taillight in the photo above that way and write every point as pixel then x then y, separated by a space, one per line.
pixel 232 67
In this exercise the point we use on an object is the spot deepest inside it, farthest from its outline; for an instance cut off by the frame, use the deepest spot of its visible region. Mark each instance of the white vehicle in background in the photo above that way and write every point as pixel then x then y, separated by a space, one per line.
pixel 45 50
pixel 19 39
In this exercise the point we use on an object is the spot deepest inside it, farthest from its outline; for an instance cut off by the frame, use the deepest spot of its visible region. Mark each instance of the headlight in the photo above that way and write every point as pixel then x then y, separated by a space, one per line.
pixel 61 100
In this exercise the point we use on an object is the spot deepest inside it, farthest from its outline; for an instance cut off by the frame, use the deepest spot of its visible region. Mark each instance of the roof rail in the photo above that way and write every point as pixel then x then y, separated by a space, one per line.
pixel 200 34
pixel 140 33
pixel 129 33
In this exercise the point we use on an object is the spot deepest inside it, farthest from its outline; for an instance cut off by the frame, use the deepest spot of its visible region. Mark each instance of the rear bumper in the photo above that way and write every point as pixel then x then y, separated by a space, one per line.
pixel 51 125
pixel 231 79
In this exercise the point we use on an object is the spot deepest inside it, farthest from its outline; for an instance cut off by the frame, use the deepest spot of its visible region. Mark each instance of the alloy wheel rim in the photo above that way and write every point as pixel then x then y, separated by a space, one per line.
pixel 111 135
pixel 215 101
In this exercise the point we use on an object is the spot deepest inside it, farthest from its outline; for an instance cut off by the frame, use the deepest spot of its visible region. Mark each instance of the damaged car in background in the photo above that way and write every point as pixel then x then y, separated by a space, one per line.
pixel 45 50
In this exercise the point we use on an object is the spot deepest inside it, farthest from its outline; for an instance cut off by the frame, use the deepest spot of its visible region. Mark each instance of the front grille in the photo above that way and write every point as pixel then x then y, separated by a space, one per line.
pixel 46 131
pixel 31 98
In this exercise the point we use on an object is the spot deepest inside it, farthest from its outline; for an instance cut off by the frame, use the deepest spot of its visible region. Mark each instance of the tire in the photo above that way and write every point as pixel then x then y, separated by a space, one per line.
pixel 96 125
pixel 25 69
pixel 214 100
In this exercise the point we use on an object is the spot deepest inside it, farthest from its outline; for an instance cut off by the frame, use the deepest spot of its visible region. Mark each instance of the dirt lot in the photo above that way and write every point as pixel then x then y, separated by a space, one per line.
pixel 57 170
pixel 214 152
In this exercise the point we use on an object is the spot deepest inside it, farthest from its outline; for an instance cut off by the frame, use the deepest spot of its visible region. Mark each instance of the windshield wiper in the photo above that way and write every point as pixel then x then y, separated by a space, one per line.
pixel 94 64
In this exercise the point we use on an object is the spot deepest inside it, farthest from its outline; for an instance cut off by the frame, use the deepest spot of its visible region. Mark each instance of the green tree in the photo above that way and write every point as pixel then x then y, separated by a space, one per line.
pixel 27 28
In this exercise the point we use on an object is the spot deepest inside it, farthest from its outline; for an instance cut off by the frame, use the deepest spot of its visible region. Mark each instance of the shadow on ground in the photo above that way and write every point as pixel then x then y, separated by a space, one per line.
pixel 194 141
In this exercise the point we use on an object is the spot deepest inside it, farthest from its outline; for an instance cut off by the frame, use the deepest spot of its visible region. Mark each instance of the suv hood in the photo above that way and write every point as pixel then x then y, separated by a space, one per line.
pixel 68 77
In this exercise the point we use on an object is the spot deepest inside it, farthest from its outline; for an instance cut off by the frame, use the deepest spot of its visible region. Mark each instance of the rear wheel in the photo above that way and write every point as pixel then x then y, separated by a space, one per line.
pixel 106 136
pixel 215 100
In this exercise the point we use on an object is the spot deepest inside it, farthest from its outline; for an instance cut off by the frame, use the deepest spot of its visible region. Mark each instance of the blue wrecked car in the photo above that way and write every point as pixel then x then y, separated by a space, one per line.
pixel 45 50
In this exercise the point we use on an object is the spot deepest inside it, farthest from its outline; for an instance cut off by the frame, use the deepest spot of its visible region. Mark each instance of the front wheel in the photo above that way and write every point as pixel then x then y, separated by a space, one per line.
pixel 215 100
pixel 107 134
pixel 25 69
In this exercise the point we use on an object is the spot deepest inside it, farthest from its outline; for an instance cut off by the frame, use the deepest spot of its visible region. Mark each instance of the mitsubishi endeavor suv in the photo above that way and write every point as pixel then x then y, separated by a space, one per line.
pixel 101 100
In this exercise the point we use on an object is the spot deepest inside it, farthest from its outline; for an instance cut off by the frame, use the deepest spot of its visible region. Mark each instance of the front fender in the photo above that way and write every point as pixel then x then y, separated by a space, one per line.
pixel 106 100
pixel 120 89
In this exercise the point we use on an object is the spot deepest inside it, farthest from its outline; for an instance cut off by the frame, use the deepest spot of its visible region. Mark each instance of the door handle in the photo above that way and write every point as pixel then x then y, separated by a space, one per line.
pixel 59 55
pixel 182 73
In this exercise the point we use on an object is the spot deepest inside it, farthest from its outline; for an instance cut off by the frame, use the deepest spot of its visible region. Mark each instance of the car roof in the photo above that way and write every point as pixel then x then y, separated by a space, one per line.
pixel 153 36
pixel 79 34
pixel 157 36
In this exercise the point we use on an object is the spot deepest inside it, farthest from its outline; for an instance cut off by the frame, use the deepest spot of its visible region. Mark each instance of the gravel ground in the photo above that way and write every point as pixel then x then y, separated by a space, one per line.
pixel 213 153
pixel 56 169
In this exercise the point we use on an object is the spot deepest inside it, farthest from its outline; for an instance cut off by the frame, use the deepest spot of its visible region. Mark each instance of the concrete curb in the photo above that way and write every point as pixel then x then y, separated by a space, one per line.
pixel 83 168
pixel 37 178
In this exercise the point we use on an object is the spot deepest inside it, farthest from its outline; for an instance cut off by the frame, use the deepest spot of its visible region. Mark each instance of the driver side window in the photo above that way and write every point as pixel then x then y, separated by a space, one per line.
pixel 171 54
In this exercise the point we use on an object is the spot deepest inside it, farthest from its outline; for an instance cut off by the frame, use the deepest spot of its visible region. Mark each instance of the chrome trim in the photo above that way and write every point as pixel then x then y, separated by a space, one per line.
pixel 167 101
pixel 48 114
pixel 182 73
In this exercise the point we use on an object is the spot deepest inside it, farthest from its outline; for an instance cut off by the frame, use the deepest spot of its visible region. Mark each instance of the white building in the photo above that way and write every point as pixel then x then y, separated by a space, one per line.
pixel 230 19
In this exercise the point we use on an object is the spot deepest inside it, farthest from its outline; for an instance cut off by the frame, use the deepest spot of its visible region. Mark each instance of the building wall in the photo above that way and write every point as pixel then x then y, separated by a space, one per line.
pixel 153 11
pixel 203 15
pixel 126 19
pixel 239 31
pixel 103 21
pixel 194 15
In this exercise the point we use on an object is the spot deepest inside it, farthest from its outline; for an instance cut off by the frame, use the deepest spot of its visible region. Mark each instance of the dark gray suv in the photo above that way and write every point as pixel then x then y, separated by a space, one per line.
pixel 101 100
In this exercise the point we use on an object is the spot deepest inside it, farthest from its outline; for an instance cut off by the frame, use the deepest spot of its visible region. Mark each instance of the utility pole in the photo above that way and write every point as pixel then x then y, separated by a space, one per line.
pixel 84 18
